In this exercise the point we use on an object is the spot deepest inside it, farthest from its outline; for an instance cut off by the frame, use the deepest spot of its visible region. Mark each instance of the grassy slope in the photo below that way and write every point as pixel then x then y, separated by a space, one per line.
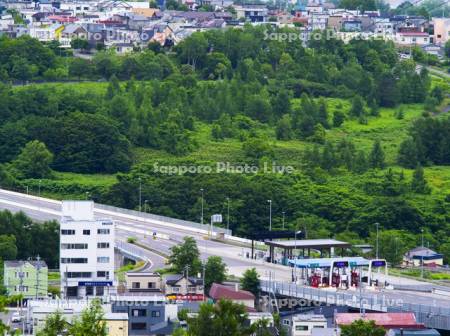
pixel 390 130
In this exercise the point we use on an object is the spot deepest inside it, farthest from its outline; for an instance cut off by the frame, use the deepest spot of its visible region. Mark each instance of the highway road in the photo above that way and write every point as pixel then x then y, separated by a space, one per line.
pixel 46 209
pixel 42 209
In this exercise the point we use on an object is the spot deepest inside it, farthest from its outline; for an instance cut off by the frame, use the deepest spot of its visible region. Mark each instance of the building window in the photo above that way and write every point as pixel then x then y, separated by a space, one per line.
pixel 138 326
pixel 301 328
pixel 68 232
pixel 103 260
pixel 102 245
pixel 87 232
pixel 74 246
pixel 151 285
pixel 71 275
pixel 89 290
pixel 103 231
pixel 139 312
pixel 99 291
pixel 319 327
pixel 74 260
pixel 102 274
pixel 286 322
pixel 156 313
pixel 136 285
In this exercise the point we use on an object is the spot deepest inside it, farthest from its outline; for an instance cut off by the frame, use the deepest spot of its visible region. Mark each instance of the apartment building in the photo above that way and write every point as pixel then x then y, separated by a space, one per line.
pixel 86 252
pixel 28 278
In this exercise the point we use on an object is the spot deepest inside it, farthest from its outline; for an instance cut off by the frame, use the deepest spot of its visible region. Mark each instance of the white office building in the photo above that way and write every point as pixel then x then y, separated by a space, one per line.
pixel 86 252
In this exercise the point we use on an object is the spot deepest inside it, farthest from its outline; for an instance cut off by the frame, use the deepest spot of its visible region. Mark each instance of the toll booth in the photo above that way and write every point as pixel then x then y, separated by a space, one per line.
pixel 343 273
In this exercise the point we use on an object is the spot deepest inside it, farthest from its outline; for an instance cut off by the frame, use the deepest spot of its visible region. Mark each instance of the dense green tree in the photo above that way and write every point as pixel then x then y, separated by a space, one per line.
pixel 419 183
pixel 8 248
pixel 362 328
pixel 376 157
pixel 34 160
pixel 79 43
pixel 225 318
pixel 358 107
pixel 408 154
pixel 91 322
pixel 447 49
pixel 338 118
pixel 185 255
pixel 215 271
pixel 250 281
pixel 54 325
pixel 284 128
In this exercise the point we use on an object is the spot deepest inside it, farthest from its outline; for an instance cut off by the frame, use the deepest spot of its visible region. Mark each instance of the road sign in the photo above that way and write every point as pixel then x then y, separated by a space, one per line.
pixel 216 218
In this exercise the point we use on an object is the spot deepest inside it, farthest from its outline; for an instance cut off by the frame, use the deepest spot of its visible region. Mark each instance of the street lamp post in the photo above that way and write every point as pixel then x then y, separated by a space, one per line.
pixel 228 213
pixel 270 214
pixel 283 218
pixel 201 218
pixel 421 270
pixel 40 181
pixel 377 248
pixel 140 194
pixel 145 205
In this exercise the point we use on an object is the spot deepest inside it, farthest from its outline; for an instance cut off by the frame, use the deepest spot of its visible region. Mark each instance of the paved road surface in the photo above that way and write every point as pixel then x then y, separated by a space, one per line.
pixel 44 209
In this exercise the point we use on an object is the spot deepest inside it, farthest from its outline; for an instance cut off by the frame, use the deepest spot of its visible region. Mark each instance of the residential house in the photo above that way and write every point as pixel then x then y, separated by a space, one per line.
pixel 383 26
pixel 385 320
pixel 143 282
pixel 150 13
pixel 39 310
pixel 78 8
pixel 412 38
pixel 6 21
pixel 418 332
pixel 352 25
pixel 441 30
pixel 304 324
pixel 233 293
pixel 61 19
pixel 252 13
pixel 116 324
pixel 72 31
pixel 28 278
pixel 421 254
pixel 326 332
pixel 147 314
pixel 179 287
pixel 318 21
pixel 47 33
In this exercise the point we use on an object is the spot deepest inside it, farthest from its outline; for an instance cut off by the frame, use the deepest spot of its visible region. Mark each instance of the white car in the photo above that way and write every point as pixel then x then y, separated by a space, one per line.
pixel 16 317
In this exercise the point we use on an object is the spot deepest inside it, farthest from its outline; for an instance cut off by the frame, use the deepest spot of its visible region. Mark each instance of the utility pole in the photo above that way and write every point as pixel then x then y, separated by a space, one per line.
pixel 283 218
pixel 40 181
pixel 38 270
pixel 377 248
pixel 270 214
pixel 201 218
pixel 140 194
pixel 203 276
pixel 145 205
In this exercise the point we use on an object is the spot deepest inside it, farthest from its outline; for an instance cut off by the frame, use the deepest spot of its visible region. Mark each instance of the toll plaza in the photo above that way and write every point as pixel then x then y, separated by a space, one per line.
pixel 342 272
pixel 302 248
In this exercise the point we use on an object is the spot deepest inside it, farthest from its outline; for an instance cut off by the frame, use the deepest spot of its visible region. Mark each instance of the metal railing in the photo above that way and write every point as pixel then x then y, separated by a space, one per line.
pixel 131 250
pixel 164 219
pixel 432 315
